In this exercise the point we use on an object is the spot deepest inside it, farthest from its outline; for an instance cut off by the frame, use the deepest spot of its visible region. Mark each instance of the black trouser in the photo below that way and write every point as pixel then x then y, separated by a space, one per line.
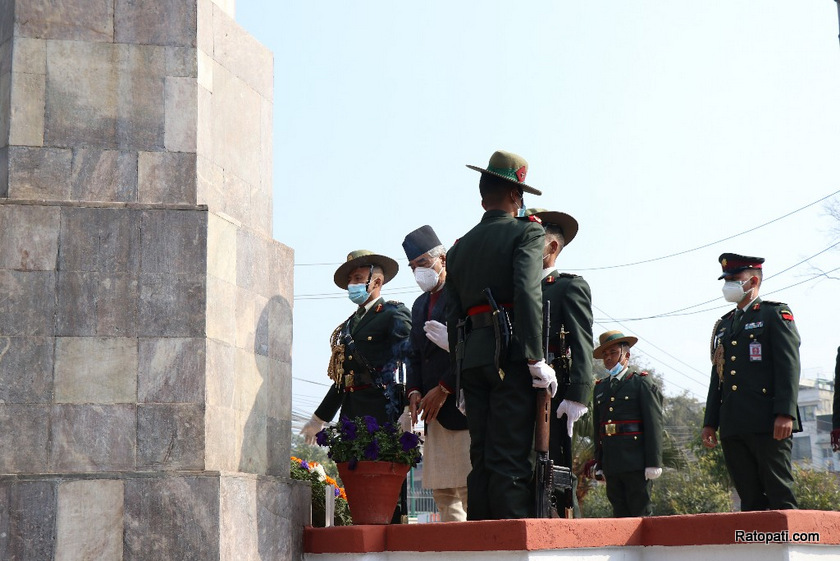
pixel 761 471
pixel 500 417
pixel 629 494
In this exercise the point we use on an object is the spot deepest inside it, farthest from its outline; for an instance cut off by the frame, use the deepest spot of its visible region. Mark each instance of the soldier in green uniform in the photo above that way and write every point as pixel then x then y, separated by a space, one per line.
pixel 497 372
pixel 835 418
pixel 627 418
pixel 366 348
pixel 570 338
pixel 753 389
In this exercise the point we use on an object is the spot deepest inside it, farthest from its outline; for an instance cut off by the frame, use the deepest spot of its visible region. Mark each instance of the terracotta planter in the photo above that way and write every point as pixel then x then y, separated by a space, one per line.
pixel 373 489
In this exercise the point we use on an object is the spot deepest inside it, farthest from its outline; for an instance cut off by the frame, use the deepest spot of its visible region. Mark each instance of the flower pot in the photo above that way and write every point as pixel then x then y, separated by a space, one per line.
pixel 373 489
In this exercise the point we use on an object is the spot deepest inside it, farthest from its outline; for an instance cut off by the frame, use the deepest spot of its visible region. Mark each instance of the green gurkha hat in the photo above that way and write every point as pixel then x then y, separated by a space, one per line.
pixel 565 222
pixel 509 166
pixel 364 258
pixel 611 338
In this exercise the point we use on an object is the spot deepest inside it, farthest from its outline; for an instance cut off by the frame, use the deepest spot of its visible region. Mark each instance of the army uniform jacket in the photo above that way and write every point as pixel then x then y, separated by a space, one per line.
pixel 427 363
pixel 756 372
pixel 835 419
pixel 381 338
pixel 627 419
pixel 571 309
pixel 505 254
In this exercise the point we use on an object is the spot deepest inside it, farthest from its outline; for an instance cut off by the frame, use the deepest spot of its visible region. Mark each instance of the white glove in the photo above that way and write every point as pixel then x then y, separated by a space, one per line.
pixel 543 376
pixel 573 411
pixel 436 333
pixel 652 473
pixel 312 427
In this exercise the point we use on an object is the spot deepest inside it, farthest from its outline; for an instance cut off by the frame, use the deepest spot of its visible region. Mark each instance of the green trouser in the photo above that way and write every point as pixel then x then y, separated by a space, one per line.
pixel 629 494
pixel 500 418
pixel 761 471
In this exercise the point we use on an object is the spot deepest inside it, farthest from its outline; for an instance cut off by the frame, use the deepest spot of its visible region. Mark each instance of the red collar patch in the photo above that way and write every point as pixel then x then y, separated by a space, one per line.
pixel 378 308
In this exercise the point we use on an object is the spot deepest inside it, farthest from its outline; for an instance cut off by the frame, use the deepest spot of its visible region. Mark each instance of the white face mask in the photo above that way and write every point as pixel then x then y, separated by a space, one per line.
pixel 427 278
pixel 733 291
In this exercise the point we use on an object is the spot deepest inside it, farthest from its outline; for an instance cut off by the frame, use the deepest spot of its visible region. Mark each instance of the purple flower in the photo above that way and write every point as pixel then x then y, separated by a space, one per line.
pixel 336 492
pixel 304 464
pixel 372 450
pixel 371 424
pixel 390 428
pixel 409 441
pixel 348 428
pixel 321 438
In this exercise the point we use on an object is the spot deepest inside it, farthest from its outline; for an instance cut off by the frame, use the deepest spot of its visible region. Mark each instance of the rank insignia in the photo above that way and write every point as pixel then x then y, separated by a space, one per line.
pixel 550 279
pixel 786 315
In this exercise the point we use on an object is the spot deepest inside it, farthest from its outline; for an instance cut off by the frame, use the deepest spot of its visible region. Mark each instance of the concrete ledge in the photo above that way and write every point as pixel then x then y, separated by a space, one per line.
pixel 561 534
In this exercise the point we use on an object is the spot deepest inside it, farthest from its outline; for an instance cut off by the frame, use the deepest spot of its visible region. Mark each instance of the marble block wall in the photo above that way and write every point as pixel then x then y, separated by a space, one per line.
pixel 145 310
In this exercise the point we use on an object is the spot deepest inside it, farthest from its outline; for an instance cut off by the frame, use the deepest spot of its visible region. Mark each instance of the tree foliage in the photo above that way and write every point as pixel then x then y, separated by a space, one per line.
pixel 816 490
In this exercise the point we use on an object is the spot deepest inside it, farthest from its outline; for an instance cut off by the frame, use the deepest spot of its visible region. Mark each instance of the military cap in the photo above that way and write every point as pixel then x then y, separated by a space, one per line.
pixel 420 241
pixel 510 167
pixel 567 224
pixel 364 258
pixel 732 263
pixel 611 338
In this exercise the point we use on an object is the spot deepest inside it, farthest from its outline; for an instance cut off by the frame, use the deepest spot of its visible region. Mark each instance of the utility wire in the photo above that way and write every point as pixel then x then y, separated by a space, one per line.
pixel 651 260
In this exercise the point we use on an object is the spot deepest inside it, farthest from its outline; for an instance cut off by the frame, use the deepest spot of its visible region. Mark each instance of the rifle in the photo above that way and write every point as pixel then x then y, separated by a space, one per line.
pixel 562 366
pixel 544 475
pixel 549 477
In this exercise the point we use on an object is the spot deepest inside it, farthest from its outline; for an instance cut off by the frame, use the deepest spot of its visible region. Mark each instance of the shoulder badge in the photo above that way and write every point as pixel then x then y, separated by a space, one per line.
pixel 786 315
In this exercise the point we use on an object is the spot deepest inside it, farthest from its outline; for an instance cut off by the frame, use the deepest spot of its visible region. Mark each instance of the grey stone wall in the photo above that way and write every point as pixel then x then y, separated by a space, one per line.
pixel 145 310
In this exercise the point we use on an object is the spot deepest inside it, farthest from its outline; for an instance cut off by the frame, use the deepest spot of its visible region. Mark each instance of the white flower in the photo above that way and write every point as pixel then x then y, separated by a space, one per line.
pixel 319 469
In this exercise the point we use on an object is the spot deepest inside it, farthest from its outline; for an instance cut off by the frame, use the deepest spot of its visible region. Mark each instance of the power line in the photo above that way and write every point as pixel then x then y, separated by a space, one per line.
pixel 704 246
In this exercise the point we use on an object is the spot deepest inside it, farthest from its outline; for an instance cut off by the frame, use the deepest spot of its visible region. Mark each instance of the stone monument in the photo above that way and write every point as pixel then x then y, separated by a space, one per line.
pixel 145 310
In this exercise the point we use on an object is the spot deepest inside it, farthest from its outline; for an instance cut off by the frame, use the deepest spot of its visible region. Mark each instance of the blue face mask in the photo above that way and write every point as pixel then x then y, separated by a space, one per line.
pixel 357 293
pixel 616 370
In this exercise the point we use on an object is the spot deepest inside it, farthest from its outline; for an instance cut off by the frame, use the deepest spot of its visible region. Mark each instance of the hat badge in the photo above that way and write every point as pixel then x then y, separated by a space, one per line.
pixel 521 173
pixel 723 262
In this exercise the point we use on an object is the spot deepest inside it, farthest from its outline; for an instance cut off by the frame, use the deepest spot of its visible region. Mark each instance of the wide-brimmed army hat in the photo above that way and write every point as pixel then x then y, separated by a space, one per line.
pixel 611 338
pixel 420 241
pixel 364 258
pixel 508 166
pixel 565 222
pixel 732 263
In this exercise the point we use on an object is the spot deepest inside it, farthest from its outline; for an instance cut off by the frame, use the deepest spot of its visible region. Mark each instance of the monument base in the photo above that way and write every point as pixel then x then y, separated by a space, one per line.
pixel 202 516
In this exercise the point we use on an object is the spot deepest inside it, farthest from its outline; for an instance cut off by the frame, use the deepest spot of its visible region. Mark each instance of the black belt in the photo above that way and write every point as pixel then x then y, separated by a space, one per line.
pixel 483 319
pixel 621 427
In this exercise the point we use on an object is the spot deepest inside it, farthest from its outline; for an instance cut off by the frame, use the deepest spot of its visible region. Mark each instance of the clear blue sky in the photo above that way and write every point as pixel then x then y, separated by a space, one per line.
pixel 661 126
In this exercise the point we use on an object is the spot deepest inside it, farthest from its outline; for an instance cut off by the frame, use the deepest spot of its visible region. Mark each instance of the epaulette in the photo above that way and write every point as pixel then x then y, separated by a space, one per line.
pixel 530 218
pixel 773 303
pixel 642 373
pixel 567 275
pixel 394 302
pixel 728 314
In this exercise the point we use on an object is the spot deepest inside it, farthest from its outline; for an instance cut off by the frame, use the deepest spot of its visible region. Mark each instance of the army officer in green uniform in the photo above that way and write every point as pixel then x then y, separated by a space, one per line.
pixel 835 417
pixel 570 339
pixel 753 389
pixel 627 418
pixel 499 373
pixel 366 348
